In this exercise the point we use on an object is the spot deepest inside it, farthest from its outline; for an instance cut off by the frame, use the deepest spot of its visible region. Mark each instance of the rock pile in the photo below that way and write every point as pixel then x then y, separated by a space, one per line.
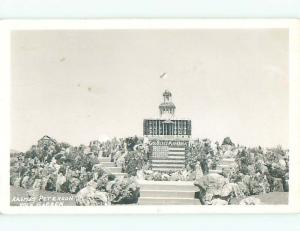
pixel 216 189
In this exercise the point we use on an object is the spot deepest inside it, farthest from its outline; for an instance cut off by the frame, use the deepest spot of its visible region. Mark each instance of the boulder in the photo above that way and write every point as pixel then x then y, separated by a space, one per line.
pixel 198 171
pixel 24 183
pixel 123 191
pixel 191 176
pixel 231 190
pixel 73 185
pixel 210 185
pixel 61 179
pixel 89 196
pixel 264 169
pixel 109 185
pixel 37 184
pixel 250 201
pixel 44 182
pixel 140 175
pixel 17 182
pixel 212 181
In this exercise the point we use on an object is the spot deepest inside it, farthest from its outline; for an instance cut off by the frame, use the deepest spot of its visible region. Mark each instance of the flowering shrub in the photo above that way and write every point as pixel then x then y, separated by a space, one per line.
pixel 134 161
pixel 181 175
pixel 123 190
pixel 205 153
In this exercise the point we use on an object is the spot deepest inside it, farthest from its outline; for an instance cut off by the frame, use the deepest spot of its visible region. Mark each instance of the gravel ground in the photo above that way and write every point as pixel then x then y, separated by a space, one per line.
pixel 274 198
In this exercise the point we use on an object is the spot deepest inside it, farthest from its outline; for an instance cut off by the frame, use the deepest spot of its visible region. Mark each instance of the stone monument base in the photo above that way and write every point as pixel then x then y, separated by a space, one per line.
pixel 167 152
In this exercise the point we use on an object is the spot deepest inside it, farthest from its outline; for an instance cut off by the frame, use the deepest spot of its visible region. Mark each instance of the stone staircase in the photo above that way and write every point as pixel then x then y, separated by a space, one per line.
pixel 173 162
pixel 225 164
pixel 168 193
pixel 111 167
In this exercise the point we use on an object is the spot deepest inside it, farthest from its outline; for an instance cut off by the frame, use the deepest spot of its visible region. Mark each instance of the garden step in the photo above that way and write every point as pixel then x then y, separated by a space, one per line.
pixel 167 201
pixel 120 174
pixel 167 193
pixel 228 161
pixel 162 161
pixel 104 159
pixel 168 185
pixel 215 171
pixel 108 164
pixel 223 166
pixel 170 164
pixel 114 169
pixel 167 169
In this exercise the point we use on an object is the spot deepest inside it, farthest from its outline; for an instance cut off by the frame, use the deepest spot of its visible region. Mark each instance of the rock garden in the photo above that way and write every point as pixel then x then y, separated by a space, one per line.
pixel 59 167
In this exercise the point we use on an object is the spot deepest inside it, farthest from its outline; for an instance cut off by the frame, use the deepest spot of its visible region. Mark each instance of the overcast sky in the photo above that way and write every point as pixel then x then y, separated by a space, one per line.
pixel 77 86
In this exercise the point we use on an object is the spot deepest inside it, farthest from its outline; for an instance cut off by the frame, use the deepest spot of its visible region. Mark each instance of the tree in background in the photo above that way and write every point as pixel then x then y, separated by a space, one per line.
pixel 227 141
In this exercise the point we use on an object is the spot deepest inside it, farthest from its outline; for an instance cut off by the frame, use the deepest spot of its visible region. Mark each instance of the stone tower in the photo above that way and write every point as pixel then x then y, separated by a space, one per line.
pixel 168 137
pixel 167 107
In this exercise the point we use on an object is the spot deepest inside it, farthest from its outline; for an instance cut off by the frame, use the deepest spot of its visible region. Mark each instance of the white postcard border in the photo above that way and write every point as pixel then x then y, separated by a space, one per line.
pixel 7 26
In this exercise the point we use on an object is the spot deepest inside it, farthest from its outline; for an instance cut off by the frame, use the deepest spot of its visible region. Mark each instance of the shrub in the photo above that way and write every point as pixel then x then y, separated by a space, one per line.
pixel 227 141
pixel 131 142
pixel 123 191
pixel 202 152
pixel 134 161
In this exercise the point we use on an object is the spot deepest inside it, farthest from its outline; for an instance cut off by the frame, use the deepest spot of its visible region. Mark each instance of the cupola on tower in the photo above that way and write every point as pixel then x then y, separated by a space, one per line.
pixel 167 107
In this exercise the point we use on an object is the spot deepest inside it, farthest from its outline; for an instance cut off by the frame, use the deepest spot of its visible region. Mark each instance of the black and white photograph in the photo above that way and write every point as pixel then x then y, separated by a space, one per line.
pixel 137 117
